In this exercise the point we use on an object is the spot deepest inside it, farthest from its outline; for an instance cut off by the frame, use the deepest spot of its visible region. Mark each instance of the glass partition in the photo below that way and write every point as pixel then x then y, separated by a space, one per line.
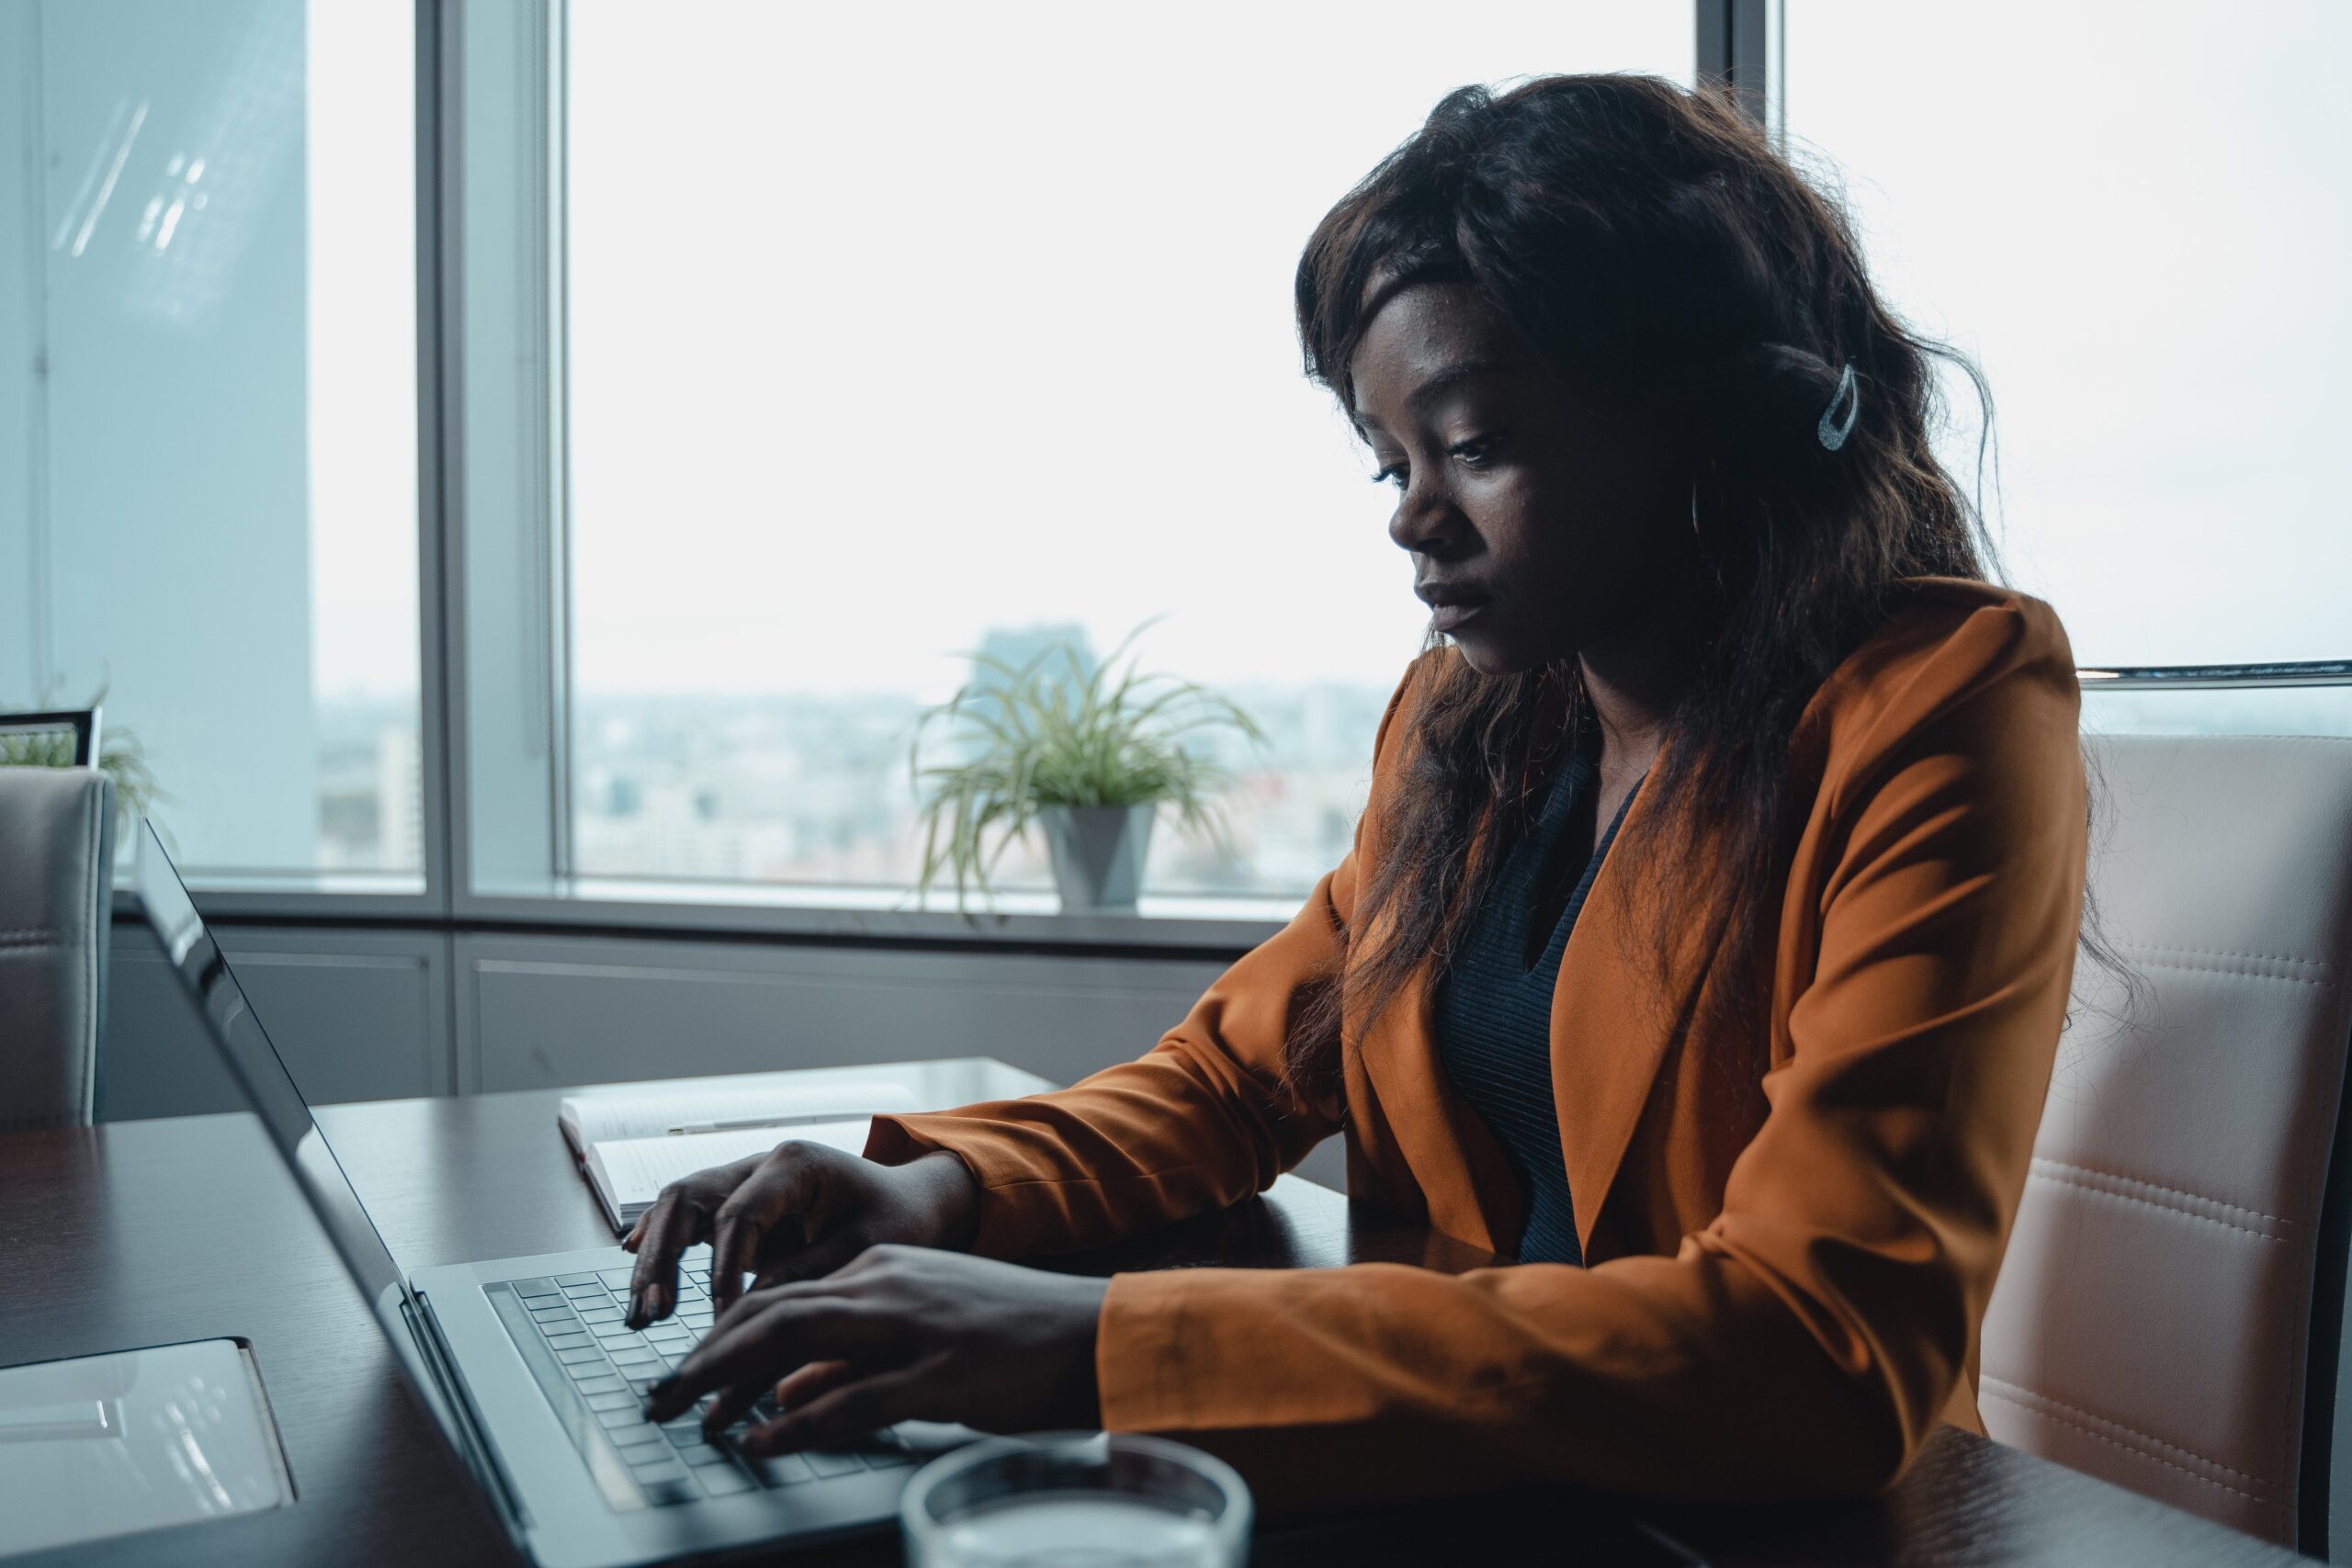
pixel 212 474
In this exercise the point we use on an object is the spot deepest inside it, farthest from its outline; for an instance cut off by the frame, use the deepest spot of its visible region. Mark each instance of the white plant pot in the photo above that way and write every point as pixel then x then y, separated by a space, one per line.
pixel 1098 852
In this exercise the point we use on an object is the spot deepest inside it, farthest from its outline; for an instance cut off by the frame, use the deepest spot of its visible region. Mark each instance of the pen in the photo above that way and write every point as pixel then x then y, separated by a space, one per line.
pixel 754 1121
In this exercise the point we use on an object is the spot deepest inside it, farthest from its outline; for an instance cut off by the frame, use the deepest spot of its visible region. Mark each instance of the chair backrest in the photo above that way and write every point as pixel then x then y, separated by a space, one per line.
pixel 2170 1313
pixel 72 733
pixel 56 909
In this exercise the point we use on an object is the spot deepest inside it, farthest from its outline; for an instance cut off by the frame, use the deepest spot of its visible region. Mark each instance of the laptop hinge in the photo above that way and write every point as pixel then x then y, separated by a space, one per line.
pixel 463 1422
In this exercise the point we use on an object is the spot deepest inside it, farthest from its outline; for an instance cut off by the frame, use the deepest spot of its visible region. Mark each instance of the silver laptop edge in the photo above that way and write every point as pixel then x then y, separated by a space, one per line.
pixel 448 1334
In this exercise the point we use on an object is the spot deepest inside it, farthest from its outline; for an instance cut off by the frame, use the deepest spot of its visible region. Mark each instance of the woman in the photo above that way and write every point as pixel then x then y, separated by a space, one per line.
pixel 1704 945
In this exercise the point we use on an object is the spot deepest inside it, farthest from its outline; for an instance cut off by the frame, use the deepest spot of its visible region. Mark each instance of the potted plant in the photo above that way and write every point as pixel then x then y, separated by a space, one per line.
pixel 1087 755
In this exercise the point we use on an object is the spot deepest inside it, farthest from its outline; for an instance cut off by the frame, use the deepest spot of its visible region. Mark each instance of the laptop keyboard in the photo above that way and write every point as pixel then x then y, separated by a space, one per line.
pixel 594 1369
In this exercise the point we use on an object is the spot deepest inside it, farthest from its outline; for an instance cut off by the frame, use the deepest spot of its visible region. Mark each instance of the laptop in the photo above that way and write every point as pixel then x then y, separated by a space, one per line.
pixel 525 1362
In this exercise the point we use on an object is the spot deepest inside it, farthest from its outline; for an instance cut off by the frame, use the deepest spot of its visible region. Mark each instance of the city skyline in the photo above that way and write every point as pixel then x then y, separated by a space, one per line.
pixel 812 788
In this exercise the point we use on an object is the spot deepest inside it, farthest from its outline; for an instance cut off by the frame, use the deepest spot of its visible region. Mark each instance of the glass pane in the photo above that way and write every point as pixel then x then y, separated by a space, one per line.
pixel 901 331
pixel 2136 220
pixel 2228 710
pixel 221 517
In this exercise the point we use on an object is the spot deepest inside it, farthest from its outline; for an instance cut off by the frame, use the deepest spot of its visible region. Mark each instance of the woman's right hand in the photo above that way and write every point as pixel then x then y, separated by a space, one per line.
pixel 799 1212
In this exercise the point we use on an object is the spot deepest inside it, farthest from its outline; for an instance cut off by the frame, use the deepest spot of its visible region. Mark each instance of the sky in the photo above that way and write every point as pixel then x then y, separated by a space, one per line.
pixel 2139 232
pixel 884 335
pixel 360 161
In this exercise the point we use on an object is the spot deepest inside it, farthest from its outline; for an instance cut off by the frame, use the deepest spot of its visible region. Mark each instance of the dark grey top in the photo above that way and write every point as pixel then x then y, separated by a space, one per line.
pixel 1493 1013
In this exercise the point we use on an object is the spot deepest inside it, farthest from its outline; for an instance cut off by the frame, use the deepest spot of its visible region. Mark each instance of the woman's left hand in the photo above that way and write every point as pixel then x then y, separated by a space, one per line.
pixel 897 1334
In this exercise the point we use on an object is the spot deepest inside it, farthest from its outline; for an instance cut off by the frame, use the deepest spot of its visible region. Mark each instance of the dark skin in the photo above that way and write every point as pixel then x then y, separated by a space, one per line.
pixel 1562 525
pixel 1567 519
pixel 863 1309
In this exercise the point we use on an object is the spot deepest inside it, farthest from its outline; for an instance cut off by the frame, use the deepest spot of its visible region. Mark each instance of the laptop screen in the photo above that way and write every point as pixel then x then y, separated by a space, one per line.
pixel 261 1072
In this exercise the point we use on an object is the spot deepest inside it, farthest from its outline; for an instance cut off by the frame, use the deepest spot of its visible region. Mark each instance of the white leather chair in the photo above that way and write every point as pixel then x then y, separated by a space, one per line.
pixel 2170 1314
pixel 56 909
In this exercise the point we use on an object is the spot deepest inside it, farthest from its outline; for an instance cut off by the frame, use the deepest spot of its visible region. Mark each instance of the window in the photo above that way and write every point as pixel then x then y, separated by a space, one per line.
pixel 785 357
pixel 218 501
pixel 897 332
pixel 2136 222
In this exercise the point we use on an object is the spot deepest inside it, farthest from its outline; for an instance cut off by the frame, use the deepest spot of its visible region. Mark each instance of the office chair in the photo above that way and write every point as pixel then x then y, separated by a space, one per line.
pixel 77 727
pixel 56 911
pixel 2170 1314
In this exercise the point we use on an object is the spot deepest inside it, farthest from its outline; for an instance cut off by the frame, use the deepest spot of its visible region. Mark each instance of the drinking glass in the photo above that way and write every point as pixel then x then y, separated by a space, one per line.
pixel 1075 1500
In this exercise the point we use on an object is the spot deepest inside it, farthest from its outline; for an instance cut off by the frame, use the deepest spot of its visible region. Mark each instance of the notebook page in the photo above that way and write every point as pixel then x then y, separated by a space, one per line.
pixel 596 1118
pixel 634 1170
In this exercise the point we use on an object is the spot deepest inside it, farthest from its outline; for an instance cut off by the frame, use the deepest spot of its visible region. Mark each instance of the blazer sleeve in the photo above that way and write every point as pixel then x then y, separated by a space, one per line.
pixel 1806 1340
pixel 1199 1122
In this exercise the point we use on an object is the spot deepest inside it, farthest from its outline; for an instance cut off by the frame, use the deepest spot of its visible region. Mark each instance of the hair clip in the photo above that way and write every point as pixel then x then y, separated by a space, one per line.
pixel 1832 431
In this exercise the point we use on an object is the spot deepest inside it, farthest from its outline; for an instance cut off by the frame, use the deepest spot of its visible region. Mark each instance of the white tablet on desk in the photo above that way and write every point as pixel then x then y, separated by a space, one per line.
pixel 135 1441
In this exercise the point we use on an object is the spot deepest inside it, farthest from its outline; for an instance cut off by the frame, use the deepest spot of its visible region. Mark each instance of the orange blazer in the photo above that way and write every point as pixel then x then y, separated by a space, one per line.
pixel 1786 1272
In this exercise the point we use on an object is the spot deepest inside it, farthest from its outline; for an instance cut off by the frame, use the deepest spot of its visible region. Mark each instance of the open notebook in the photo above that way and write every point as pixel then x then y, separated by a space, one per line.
pixel 632 1143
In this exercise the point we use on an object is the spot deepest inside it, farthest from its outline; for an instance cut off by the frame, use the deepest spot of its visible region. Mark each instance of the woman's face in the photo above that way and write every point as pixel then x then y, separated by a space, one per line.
pixel 1544 521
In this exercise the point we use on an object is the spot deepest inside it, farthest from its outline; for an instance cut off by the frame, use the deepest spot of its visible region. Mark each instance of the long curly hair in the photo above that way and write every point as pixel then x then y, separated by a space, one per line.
pixel 1651 240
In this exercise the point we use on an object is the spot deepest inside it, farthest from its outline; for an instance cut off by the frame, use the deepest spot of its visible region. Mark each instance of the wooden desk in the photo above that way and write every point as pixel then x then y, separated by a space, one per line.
pixel 149 1232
